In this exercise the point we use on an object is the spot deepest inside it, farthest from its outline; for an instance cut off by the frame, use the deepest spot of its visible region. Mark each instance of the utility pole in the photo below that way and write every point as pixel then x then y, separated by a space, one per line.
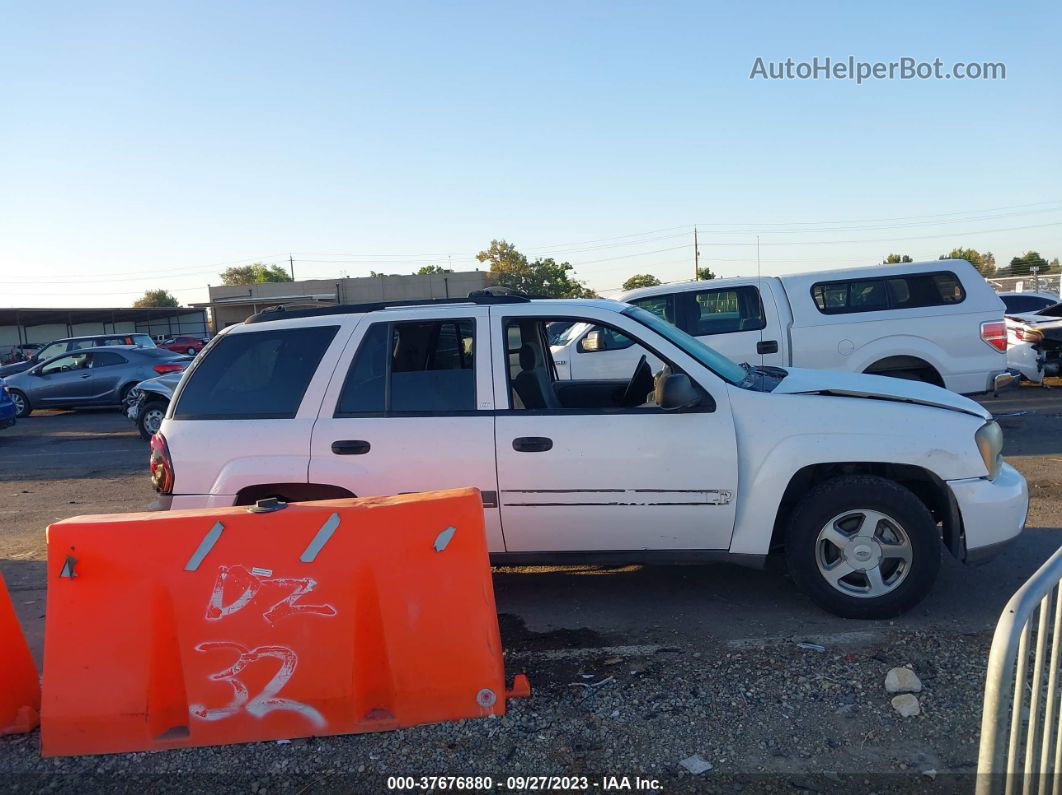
pixel 696 257
pixel 291 262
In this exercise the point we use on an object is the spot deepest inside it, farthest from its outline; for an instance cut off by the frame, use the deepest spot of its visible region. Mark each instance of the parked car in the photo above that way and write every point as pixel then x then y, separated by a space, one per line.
pixel 8 409
pixel 19 353
pixel 188 345
pixel 1017 303
pixel 937 322
pixel 99 376
pixel 148 401
pixel 858 478
pixel 53 349
pixel 1034 343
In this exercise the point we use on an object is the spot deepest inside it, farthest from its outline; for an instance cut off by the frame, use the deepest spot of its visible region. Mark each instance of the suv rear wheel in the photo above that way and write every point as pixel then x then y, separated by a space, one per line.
pixel 863 546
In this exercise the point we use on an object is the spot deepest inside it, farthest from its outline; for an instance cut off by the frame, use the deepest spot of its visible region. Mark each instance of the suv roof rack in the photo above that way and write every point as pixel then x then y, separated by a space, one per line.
pixel 489 295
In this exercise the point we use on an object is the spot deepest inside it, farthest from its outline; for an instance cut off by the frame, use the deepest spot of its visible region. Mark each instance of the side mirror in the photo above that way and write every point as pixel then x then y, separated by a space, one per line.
pixel 593 341
pixel 678 392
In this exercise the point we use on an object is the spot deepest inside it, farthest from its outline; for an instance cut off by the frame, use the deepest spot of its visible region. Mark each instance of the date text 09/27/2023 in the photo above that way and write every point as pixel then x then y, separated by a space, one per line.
pixel 522 783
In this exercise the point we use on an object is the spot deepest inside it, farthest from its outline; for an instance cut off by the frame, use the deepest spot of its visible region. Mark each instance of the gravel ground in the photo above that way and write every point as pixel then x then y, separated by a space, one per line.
pixel 777 715
pixel 633 671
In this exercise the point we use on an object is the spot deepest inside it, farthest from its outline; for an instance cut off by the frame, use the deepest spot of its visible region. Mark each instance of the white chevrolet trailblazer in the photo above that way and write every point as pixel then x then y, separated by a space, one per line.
pixel 859 479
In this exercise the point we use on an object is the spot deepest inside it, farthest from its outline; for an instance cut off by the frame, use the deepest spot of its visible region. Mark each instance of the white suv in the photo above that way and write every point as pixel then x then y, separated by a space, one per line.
pixel 858 478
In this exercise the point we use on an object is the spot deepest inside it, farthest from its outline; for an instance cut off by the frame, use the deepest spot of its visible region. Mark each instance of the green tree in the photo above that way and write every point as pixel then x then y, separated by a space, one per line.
pixel 705 273
pixel 1053 266
pixel 985 263
pixel 895 259
pixel 156 298
pixel 543 278
pixel 257 273
pixel 429 269
pixel 1020 266
pixel 641 280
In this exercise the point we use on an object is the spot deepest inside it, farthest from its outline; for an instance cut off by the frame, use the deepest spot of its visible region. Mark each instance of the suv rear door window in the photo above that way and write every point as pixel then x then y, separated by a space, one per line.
pixel 412 368
pixel 258 375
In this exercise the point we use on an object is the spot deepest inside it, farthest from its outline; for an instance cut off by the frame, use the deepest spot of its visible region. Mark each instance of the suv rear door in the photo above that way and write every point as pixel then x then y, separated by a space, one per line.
pixel 410 408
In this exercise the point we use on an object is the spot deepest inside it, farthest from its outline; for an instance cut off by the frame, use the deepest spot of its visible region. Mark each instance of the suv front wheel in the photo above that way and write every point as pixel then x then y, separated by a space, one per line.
pixel 863 546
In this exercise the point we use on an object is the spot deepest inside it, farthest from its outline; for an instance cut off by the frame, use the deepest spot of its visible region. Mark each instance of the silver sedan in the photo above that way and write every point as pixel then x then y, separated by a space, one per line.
pixel 91 377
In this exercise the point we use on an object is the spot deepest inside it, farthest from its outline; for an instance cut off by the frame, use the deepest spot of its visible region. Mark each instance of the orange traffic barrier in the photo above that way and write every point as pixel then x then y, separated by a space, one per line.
pixel 20 687
pixel 204 627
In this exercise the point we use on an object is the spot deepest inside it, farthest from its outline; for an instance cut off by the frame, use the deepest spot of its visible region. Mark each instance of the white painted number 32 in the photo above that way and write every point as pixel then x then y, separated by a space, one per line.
pixel 266 701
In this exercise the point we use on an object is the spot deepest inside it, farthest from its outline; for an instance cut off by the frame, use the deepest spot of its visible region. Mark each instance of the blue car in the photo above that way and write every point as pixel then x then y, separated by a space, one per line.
pixel 8 410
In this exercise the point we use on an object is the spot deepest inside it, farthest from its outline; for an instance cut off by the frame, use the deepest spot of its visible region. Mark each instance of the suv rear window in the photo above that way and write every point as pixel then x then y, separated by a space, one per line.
pixel 412 368
pixel 907 291
pixel 258 375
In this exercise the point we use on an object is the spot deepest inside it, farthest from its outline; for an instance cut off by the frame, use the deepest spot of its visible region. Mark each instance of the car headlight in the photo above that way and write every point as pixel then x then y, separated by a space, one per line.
pixel 989 438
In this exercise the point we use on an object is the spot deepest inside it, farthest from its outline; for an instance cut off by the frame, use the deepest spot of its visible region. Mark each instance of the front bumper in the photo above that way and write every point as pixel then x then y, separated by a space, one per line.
pixel 993 511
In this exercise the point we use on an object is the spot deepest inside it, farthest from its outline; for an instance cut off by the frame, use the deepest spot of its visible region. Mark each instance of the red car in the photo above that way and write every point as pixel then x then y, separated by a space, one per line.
pixel 189 345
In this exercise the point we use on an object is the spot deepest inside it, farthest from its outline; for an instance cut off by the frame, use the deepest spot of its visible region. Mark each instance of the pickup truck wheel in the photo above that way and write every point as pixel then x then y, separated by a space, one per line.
pixel 862 546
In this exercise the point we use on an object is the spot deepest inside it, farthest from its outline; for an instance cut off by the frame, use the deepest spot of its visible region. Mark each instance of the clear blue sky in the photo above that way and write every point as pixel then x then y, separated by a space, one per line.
pixel 151 144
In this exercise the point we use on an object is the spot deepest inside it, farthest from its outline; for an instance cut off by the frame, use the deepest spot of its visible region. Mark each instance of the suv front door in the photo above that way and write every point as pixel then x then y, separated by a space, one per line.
pixel 410 408
pixel 578 475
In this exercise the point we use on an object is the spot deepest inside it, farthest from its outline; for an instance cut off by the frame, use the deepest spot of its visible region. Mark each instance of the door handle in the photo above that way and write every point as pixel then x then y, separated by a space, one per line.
pixel 767 346
pixel 86 375
pixel 532 444
pixel 350 447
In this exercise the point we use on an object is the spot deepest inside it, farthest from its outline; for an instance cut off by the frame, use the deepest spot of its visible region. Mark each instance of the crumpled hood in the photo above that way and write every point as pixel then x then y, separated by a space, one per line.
pixel 801 381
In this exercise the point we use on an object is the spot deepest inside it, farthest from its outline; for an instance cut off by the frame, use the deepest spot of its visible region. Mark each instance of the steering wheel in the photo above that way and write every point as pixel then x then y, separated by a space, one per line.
pixel 640 385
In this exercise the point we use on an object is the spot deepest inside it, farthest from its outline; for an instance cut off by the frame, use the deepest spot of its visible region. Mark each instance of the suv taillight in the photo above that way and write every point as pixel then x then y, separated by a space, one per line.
pixel 162 369
pixel 161 465
pixel 994 333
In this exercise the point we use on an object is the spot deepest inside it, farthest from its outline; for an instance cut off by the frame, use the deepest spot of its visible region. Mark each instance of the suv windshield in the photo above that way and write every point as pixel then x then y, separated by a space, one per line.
pixel 709 357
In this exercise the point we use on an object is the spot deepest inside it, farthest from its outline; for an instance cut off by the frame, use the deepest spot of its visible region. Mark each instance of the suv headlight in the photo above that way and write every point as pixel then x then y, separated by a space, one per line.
pixel 989 438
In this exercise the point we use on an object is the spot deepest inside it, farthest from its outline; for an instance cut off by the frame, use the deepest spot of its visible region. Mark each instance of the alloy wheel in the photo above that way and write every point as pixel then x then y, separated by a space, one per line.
pixel 863 553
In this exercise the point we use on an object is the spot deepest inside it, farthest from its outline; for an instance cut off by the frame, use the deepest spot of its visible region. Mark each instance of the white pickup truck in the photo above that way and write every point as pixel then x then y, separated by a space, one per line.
pixel 857 478
pixel 937 322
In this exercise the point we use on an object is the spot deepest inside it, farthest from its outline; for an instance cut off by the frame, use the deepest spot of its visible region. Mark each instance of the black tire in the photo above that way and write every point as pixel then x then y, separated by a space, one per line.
pixel 190 351
pixel 148 413
pixel 22 404
pixel 852 493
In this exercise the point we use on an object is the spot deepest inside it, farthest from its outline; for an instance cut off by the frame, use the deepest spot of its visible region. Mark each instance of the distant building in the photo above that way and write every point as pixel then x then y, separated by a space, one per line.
pixel 229 305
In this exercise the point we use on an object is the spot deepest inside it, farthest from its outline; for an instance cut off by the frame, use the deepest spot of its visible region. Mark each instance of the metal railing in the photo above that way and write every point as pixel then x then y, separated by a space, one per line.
pixel 1021 725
